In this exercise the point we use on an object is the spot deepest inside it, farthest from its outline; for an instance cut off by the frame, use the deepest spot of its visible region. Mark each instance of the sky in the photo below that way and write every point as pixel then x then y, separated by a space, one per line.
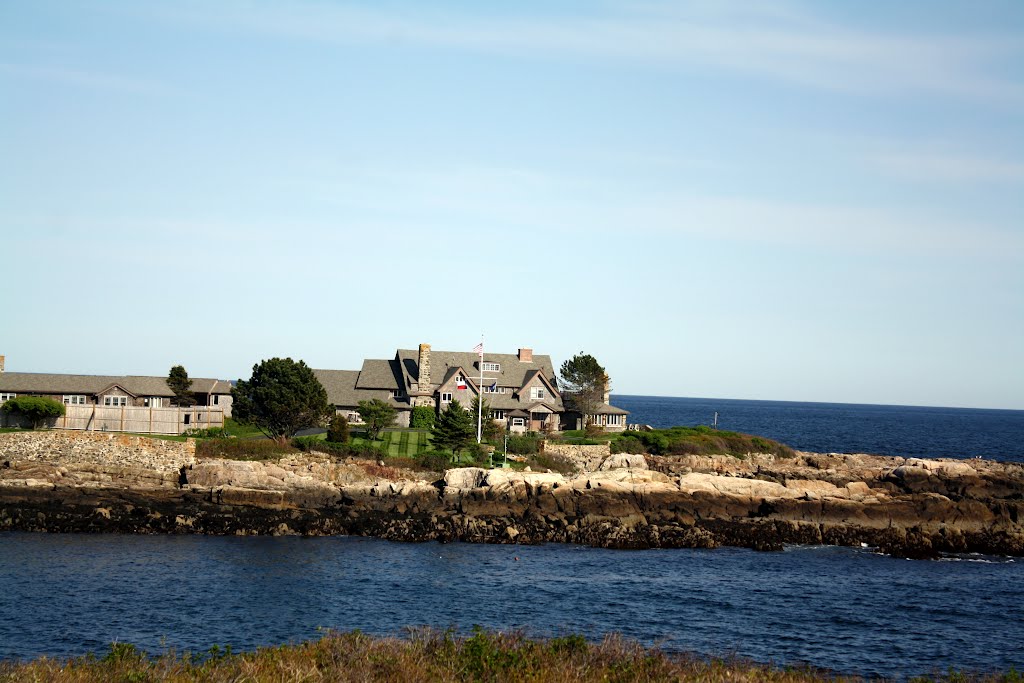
pixel 818 201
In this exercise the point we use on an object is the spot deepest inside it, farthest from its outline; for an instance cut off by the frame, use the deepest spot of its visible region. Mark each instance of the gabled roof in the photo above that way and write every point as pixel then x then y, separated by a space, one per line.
pixel 342 390
pixel 137 385
pixel 513 371
pixel 379 374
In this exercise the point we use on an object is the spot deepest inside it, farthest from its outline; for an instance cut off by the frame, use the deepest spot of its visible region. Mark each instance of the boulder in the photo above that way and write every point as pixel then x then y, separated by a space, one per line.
pixel 464 477
pixel 624 460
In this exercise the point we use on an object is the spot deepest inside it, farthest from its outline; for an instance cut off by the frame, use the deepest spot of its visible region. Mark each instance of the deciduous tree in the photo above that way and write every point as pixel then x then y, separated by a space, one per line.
pixel 377 415
pixel 281 397
pixel 583 383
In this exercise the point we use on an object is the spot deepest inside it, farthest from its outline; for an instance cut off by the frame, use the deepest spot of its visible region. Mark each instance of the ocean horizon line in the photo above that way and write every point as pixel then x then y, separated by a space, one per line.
pixel 821 403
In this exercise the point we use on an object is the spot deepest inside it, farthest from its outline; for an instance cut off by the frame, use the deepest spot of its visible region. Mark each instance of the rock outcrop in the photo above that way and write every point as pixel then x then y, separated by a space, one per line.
pixel 910 507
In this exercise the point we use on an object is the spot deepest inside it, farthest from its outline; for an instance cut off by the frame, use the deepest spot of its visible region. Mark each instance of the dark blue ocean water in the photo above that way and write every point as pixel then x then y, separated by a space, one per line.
pixel 906 431
pixel 840 608
pixel 847 609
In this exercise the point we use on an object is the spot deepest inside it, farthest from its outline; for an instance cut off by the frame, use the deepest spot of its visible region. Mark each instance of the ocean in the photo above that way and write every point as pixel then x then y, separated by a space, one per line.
pixel 845 609
pixel 904 431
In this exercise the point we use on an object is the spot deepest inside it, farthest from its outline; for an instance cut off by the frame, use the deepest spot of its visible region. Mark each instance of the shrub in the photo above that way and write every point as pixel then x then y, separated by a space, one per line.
pixel 628 444
pixel 423 417
pixel 242 449
pixel 523 444
pixel 206 433
pixel 436 461
pixel 337 430
pixel 35 409
pixel 307 444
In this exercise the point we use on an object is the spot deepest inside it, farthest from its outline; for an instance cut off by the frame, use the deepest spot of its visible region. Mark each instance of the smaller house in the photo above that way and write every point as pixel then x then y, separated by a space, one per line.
pixel 110 390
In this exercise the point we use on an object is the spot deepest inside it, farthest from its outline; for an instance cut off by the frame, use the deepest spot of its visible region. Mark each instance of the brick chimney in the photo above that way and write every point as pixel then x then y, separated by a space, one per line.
pixel 1 363
pixel 424 367
pixel 525 355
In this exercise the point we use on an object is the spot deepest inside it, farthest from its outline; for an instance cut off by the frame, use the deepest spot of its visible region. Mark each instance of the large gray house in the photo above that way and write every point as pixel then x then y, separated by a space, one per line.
pixel 520 388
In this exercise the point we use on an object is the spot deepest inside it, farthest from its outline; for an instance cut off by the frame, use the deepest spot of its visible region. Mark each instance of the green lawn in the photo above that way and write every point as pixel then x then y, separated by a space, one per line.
pixel 401 443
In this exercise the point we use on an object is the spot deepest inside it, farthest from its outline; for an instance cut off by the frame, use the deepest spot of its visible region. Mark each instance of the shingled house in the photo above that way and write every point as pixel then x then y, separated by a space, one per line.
pixel 519 388
pixel 110 390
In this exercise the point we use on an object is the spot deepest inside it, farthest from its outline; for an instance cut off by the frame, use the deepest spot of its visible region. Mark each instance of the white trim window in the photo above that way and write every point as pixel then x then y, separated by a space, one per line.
pixel 115 401
pixel 7 397
pixel 446 397
pixel 460 379
pixel 490 367
pixel 74 399
pixel 536 393
pixel 495 390
pixel 518 422
pixel 497 414
pixel 152 402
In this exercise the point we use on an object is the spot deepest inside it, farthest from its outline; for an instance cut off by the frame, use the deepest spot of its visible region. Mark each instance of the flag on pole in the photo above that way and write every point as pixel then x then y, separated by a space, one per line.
pixel 494 387
pixel 479 350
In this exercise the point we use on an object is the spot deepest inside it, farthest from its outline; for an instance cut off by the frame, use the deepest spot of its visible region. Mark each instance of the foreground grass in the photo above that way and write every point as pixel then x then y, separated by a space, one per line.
pixel 425 656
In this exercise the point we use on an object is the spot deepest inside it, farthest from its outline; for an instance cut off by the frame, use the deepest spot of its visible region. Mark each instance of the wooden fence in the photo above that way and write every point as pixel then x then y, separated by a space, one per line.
pixel 138 419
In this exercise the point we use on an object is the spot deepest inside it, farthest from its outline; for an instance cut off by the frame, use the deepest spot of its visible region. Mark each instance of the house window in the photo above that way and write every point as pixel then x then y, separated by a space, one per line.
pixel 460 379
pixel 446 397
pixel 7 397
pixel 492 389
pixel 115 400
pixel 396 393
pixel 536 393
pixel 74 400
pixel 152 402
pixel 216 399
pixel 490 367
pixel 497 414
pixel 518 422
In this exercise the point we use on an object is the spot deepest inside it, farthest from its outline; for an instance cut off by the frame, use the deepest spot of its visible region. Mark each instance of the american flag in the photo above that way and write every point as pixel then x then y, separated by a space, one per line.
pixel 479 350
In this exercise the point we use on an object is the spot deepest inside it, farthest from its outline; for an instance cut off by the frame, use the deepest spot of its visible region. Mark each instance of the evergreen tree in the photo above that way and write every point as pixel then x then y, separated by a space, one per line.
pixel 181 385
pixel 455 429
pixel 281 397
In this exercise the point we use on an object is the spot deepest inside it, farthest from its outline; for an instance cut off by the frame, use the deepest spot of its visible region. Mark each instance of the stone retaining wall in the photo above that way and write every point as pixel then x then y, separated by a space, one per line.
pixel 101 448
pixel 587 458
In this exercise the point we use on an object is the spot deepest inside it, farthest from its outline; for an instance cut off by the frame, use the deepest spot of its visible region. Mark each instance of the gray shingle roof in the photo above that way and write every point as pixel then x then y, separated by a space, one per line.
pixel 512 374
pixel 379 374
pixel 139 385
pixel 342 391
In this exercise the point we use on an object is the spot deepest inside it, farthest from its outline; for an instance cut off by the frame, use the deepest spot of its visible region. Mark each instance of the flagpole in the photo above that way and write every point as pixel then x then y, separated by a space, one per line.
pixel 480 395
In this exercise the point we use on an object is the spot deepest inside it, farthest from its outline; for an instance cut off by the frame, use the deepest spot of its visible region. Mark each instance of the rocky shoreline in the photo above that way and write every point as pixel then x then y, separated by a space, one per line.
pixel 88 482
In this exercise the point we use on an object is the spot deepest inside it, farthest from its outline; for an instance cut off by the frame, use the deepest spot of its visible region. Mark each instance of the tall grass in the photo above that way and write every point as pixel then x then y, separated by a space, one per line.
pixel 425 655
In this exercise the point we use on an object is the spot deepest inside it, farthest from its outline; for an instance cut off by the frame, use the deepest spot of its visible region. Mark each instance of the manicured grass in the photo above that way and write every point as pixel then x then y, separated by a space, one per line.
pixel 241 431
pixel 425 656
pixel 400 443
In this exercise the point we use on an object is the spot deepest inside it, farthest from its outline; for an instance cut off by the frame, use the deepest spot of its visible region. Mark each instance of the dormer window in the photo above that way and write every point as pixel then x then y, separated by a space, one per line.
pixel 460 379
pixel 490 367
pixel 536 393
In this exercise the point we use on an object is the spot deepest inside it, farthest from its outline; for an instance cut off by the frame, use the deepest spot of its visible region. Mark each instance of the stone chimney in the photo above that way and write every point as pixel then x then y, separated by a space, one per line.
pixel 525 355
pixel 1 363
pixel 424 367
pixel 607 392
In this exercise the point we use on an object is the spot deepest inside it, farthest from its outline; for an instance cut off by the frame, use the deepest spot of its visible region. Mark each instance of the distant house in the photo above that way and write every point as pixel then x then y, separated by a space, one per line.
pixel 520 388
pixel 110 390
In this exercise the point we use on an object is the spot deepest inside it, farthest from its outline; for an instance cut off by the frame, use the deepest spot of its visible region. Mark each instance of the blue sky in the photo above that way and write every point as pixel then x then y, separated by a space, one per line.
pixel 794 201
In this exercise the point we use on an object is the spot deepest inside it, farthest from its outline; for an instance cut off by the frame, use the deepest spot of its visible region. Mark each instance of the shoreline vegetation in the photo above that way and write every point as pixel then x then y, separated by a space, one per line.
pixel 430 655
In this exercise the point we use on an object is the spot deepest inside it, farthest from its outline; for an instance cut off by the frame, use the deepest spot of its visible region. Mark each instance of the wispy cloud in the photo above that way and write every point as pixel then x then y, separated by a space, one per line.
pixel 789 44
pixel 948 167
pixel 86 79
